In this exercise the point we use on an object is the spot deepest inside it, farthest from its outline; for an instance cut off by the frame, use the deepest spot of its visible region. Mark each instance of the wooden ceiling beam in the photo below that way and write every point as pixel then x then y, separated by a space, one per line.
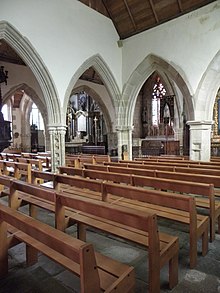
pixel 154 11
pixel 180 5
pixel 104 2
pixel 130 14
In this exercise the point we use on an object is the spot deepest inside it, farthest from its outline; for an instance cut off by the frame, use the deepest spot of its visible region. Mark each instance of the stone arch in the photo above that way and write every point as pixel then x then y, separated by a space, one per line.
pixel 104 72
pixel 150 64
pixel 207 90
pixel 32 94
pixel 35 63
pixel 98 99
pixel 26 106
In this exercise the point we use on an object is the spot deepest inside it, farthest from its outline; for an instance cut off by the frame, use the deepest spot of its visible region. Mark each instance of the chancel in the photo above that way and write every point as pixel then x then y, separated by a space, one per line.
pixel 158 117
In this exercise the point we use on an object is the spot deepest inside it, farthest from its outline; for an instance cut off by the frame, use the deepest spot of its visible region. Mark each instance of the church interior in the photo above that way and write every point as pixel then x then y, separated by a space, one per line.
pixel 123 98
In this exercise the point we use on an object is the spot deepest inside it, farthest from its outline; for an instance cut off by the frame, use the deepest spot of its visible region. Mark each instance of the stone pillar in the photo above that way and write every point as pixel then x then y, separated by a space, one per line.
pixel 200 140
pixel 124 139
pixel 57 146
pixel 47 141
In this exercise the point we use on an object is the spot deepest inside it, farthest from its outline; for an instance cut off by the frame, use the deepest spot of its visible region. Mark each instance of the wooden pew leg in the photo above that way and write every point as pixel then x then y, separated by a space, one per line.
pixel 212 229
pixel 219 225
pixel 173 271
pixel 31 255
pixel 3 249
pixel 81 232
pixel 205 243
pixel 193 252
pixel 33 211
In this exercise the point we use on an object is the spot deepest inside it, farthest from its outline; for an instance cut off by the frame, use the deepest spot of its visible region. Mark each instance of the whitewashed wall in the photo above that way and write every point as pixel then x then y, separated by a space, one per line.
pixel 188 43
pixel 65 34
pixel 18 75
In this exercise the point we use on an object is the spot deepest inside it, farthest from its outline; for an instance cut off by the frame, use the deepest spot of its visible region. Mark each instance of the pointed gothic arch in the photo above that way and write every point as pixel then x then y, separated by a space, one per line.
pixel 91 92
pixel 26 107
pixel 207 89
pixel 27 52
pixel 149 65
pixel 105 74
pixel 32 94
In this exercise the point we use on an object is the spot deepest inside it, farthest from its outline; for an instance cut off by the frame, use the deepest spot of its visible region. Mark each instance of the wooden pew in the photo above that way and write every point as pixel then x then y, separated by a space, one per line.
pixel 11 156
pixel 95 214
pixel 165 205
pixel 190 188
pixel 176 160
pixel 162 204
pixel 209 203
pixel 5 183
pixel 94 270
pixel 173 168
pixel 35 163
pixel 157 253
pixel 16 170
pixel 186 164
pixel 79 161
pixel 210 179
pixel 46 162
pixel 28 155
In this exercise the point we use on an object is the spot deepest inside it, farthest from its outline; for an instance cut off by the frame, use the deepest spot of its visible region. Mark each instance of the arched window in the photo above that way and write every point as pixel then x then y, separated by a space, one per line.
pixel 36 118
pixel 158 93
pixel 6 112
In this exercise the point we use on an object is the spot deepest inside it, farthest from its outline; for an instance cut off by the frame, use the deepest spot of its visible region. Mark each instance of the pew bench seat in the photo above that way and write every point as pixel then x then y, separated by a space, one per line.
pixel 172 214
pixel 97 273
pixel 44 198
pixel 147 177
pixel 198 224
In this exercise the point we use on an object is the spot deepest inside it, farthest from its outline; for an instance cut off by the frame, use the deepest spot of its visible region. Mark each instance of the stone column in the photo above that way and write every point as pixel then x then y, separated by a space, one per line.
pixel 47 140
pixel 57 146
pixel 124 139
pixel 200 140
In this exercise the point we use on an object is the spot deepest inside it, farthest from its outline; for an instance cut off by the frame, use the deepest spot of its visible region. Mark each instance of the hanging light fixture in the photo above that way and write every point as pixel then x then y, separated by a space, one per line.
pixel 5 130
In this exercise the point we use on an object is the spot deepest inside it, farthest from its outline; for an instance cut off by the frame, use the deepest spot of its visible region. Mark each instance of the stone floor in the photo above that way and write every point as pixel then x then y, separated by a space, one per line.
pixel 46 276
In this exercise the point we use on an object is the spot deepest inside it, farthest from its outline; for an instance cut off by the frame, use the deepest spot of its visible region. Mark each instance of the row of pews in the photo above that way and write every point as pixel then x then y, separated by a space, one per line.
pixel 69 209
pixel 124 199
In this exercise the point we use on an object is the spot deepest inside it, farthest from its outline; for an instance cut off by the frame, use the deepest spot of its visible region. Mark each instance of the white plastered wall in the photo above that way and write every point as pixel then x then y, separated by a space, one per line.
pixel 65 34
pixel 19 75
pixel 188 43
pixel 185 47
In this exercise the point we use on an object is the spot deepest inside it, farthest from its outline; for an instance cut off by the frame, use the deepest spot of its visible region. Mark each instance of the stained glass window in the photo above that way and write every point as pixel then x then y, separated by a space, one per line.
pixel 158 92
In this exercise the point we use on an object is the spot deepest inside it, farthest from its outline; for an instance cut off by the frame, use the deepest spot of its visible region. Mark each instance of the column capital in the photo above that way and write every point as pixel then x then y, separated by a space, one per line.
pixel 122 128
pixel 58 128
pixel 200 124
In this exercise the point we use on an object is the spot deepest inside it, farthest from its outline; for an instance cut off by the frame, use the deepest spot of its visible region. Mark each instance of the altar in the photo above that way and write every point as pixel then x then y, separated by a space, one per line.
pixel 75 145
pixel 160 145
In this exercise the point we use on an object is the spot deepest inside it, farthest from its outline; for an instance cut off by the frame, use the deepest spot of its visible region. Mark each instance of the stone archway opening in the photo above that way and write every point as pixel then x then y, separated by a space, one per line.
pixel 175 85
pixel 18 105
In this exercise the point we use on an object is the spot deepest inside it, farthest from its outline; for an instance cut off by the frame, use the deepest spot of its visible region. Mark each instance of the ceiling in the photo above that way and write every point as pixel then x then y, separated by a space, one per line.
pixel 129 17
